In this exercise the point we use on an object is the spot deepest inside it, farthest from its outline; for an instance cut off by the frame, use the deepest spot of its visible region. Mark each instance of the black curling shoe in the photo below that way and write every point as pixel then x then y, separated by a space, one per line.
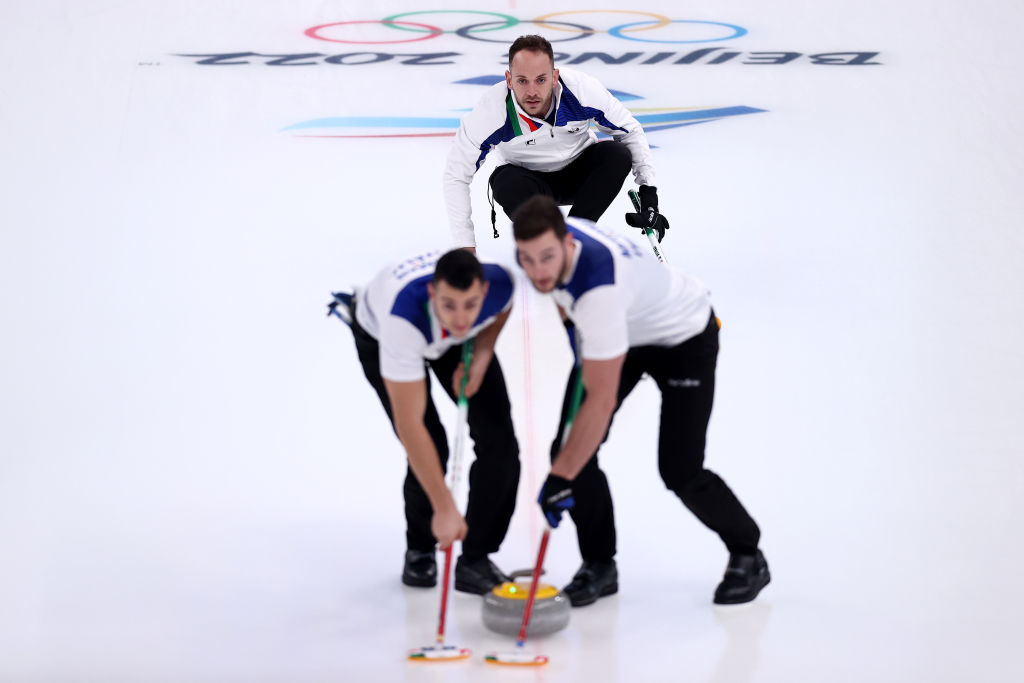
pixel 420 569
pixel 745 576
pixel 478 577
pixel 592 581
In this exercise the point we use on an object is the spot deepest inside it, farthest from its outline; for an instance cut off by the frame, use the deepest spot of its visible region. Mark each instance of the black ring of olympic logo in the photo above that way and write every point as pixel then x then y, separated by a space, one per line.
pixel 465 31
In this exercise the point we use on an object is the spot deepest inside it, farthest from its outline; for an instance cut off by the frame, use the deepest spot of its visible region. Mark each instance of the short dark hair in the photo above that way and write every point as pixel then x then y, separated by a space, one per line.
pixel 459 268
pixel 536 216
pixel 532 43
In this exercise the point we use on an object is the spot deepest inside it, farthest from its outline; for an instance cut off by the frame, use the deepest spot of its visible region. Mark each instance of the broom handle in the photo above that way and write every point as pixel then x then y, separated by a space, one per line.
pixel 444 594
pixel 533 587
pixel 460 427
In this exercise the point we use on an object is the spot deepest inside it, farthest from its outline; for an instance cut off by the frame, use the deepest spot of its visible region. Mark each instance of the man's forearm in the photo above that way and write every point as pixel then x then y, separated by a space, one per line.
pixel 588 429
pixel 425 464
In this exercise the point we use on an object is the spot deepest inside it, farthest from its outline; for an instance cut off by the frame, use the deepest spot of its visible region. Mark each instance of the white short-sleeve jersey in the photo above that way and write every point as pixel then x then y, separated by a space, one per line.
pixel 619 296
pixel 395 309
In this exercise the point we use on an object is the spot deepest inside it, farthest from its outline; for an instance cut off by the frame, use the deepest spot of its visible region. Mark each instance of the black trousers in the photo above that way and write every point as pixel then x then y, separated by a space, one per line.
pixel 589 183
pixel 685 375
pixel 493 476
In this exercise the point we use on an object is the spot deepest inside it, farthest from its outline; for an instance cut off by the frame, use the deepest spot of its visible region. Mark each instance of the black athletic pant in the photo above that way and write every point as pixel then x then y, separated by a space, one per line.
pixel 589 183
pixel 493 476
pixel 685 375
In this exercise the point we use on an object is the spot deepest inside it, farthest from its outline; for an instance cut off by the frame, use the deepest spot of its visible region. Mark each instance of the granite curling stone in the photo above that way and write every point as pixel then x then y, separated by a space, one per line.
pixel 504 605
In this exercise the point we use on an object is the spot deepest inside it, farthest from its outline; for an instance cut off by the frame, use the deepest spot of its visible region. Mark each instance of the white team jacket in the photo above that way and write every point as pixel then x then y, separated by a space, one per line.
pixel 498 123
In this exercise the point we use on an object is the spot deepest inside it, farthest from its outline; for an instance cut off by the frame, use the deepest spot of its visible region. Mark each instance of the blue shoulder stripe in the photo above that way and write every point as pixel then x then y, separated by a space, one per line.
pixel 570 109
pixel 499 291
pixel 595 267
pixel 411 304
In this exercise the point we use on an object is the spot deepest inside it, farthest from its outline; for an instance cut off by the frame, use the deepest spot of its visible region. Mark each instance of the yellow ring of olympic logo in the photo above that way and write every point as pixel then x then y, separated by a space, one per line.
pixel 542 20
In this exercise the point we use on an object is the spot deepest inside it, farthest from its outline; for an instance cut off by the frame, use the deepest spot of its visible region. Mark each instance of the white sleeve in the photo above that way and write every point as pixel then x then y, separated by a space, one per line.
pixel 458 174
pixel 401 351
pixel 476 128
pixel 600 318
pixel 617 115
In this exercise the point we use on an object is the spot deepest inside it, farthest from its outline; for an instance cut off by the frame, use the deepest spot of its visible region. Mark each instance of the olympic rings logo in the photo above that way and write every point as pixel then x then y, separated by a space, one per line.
pixel 638 31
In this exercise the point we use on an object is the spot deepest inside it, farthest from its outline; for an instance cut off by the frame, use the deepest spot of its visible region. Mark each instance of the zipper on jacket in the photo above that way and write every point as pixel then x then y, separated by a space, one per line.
pixel 558 101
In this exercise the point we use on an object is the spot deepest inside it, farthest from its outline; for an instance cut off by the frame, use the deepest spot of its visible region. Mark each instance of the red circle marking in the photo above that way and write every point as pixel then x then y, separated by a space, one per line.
pixel 435 31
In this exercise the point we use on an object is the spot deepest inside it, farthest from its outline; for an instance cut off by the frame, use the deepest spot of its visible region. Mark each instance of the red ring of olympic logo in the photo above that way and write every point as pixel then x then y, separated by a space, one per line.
pixel 433 32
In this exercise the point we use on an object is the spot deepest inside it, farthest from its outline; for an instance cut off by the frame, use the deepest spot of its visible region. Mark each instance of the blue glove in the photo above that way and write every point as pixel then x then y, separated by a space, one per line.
pixel 555 498
pixel 648 216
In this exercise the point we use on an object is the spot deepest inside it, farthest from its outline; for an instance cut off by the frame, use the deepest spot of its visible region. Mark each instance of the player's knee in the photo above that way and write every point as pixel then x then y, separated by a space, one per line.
pixel 591 475
pixel 688 482
pixel 502 449
pixel 512 185
pixel 617 157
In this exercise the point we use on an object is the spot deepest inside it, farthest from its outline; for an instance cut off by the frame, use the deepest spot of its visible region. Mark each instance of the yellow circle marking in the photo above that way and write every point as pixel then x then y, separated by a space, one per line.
pixel 662 20
pixel 518 591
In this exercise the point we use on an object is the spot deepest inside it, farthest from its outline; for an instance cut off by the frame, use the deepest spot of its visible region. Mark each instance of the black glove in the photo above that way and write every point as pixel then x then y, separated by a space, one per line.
pixel 648 216
pixel 555 498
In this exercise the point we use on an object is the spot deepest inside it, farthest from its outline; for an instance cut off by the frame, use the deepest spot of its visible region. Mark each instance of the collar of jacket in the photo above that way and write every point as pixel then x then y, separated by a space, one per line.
pixel 523 122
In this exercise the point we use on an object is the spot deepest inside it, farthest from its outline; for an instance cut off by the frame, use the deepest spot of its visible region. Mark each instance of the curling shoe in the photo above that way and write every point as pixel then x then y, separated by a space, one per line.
pixel 420 569
pixel 478 576
pixel 592 581
pixel 745 576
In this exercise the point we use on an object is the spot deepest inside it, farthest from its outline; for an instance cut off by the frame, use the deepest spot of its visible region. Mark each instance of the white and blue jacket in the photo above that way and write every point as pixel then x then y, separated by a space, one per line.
pixel 619 296
pixel 395 309
pixel 497 123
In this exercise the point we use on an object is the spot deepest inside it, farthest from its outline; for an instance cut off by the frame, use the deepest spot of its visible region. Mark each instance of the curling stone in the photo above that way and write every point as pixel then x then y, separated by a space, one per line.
pixel 505 603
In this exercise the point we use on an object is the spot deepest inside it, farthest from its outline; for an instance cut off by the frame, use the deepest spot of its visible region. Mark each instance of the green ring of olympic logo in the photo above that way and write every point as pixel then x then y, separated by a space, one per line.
pixel 510 21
